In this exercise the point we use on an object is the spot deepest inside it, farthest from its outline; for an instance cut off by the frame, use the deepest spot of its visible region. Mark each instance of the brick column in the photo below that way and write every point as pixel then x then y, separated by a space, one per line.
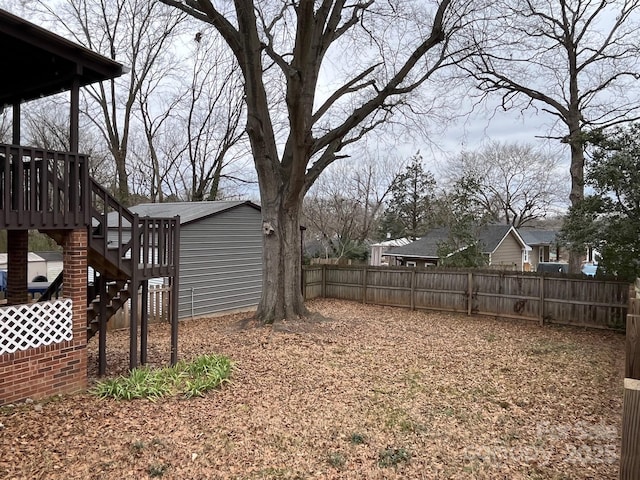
pixel 75 287
pixel 17 248
pixel 75 279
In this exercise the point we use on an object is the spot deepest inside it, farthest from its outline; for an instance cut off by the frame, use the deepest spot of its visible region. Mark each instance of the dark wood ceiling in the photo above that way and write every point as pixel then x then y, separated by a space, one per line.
pixel 37 63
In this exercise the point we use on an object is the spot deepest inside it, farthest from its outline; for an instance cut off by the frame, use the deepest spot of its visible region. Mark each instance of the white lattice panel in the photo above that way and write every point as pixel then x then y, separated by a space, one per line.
pixel 34 325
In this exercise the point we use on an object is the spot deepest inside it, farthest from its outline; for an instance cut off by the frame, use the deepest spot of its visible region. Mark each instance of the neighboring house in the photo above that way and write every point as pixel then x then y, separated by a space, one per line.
pixel 378 250
pixel 502 245
pixel 220 254
pixel 544 246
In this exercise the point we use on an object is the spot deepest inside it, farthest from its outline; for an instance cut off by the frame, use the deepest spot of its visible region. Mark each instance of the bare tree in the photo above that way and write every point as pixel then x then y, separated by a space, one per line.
pixel 342 209
pixel 191 124
pixel 512 183
pixel 282 49
pixel 5 126
pixel 46 125
pixel 576 61
pixel 215 108
pixel 157 104
pixel 137 34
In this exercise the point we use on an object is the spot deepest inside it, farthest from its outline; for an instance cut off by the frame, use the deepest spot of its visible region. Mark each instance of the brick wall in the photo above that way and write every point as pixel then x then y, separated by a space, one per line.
pixel 60 368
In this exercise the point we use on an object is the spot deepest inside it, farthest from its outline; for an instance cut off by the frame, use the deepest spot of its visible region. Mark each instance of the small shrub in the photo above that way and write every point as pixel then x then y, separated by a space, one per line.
pixel 358 439
pixel 141 383
pixel 391 457
pixel 192 379
pixel 157 470
pixel 137 447
pixel 337 460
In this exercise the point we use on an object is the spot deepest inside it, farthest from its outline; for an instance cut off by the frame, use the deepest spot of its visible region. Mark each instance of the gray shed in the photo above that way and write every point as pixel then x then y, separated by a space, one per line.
pixel 220 254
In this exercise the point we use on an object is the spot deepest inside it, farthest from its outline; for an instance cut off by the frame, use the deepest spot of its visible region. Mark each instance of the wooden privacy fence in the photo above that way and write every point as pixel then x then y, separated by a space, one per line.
pixel 552 299
pixel 158 306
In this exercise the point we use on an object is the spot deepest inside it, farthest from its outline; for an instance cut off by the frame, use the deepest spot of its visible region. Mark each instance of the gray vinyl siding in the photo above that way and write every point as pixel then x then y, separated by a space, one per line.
pixel 509 252
pixel 221 263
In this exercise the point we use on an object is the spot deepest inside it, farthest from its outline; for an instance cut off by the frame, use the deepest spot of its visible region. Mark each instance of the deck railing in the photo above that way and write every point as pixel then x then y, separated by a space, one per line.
pixel 42 188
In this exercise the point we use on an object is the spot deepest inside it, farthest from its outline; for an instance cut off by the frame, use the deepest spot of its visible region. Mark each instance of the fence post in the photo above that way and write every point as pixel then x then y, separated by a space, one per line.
pixel 303 280
pixel 630 451
pixel 469 293
pixel 541 291
pixel 364 284
pixel 413 289
pixel 324 281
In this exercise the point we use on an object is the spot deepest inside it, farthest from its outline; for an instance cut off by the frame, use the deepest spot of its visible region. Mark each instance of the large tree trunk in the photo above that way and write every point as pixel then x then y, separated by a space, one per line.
pixel 122 193
pixel 281 267
pixel 577 184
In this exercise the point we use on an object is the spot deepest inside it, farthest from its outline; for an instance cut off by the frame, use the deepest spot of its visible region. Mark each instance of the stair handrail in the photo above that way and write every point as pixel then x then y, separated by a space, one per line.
pixel 53 289
pixel 151 241
pixel 102 204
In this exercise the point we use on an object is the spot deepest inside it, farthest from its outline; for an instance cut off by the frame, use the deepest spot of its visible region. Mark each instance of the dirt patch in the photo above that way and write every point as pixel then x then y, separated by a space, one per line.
pixel 359 392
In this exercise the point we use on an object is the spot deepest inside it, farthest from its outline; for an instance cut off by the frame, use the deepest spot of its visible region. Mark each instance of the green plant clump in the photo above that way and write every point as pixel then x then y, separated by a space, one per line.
pixel 391 457
pixel 191 379
pixel 337 460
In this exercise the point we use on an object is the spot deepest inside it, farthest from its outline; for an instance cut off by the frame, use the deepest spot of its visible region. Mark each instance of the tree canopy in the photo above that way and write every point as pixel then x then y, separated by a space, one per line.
pixel 409 211
pixel 577 62
pixel 512 183
pixel 318 77
pixel 608 219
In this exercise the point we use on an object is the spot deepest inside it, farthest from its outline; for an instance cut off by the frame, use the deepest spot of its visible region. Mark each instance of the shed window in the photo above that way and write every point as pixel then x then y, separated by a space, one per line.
pixel 411 264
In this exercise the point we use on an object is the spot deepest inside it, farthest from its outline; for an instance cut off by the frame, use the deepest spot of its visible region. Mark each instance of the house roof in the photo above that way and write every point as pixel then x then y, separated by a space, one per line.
pixel 425 247
pixel 533 236
pixel 489 236
pixel 397 242
pixel 40 63
pixel 188 211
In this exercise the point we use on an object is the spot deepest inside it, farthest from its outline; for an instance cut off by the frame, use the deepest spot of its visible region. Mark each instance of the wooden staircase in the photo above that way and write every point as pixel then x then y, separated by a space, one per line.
pixel 117 294
pixel 53 192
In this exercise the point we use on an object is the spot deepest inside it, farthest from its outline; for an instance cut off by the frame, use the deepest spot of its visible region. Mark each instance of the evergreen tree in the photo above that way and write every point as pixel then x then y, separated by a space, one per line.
pixel 409 212
pixel 609 219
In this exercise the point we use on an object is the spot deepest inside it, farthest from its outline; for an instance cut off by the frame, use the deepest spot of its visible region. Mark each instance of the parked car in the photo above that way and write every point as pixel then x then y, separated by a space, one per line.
pixel 553 267
pixel 589 269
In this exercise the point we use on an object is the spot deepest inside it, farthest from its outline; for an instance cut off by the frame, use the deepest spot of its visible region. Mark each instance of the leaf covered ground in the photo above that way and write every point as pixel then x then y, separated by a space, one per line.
pixel 357 392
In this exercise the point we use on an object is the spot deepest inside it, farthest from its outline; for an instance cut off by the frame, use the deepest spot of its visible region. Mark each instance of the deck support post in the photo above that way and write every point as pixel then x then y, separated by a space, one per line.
pixel 102 333
pixel 144 321
pixel 175 291
pixel 15 125
pixel 133 323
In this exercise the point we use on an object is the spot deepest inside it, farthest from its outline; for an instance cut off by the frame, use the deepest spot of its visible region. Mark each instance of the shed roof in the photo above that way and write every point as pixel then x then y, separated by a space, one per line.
pixel 31 257
pixel 188 211
pixel 40 63
pixel 489 236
